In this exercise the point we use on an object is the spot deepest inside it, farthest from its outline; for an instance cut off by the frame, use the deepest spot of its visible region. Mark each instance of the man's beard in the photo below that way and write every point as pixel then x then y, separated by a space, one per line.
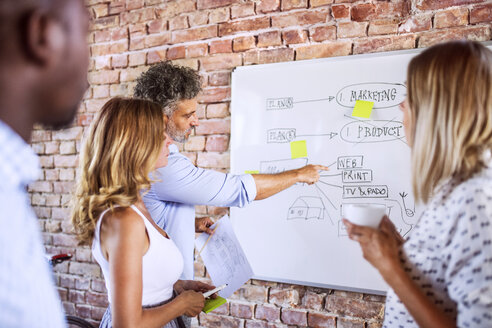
pixel 175 134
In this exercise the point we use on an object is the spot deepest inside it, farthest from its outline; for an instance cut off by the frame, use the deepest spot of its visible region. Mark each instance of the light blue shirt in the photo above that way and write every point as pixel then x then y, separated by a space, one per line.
pixel 27 295
pixel 171 201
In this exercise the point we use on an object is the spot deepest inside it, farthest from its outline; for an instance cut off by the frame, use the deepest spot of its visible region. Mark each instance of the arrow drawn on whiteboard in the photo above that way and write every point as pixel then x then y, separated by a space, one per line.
pixel 330 98
pixel 331 135
pixel 408 211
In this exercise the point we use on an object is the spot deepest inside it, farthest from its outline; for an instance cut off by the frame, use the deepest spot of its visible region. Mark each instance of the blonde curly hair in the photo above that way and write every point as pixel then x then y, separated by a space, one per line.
pixel 118 155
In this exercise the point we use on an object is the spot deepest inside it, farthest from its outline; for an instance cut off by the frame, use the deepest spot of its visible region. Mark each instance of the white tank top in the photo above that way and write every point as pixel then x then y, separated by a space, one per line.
pixel 162 264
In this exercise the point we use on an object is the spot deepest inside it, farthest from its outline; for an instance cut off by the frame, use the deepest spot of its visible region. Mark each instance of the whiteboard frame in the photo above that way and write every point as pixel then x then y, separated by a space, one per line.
pixel 310 61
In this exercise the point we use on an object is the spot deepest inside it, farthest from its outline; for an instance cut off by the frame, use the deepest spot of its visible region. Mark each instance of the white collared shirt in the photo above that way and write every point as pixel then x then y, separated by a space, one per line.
pixel 27 294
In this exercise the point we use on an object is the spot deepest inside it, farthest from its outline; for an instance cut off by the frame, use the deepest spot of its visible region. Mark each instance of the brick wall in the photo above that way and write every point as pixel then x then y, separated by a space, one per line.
pixel 214 36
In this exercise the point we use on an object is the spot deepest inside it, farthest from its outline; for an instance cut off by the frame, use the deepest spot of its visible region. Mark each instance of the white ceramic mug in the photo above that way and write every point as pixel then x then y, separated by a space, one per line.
pixel 369 215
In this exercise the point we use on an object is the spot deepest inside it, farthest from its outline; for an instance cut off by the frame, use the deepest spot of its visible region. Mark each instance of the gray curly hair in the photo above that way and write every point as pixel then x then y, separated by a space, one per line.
pixel 166 84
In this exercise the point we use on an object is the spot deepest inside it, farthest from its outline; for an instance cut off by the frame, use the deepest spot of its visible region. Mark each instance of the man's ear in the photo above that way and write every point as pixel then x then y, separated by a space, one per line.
pixel 43 37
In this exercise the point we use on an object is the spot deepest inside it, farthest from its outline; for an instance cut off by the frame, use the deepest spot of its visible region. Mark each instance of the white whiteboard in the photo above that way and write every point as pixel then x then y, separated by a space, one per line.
pixel 296 236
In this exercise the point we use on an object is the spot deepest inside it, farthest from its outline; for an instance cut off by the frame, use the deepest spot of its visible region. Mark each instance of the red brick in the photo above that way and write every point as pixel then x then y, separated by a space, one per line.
pixel 219 78
pixel 322 33
pixel 97 313
pixel 221 61
pixel 98 285
pixel 137 42
pixel 271 38
pixel 176 52
pixel 417 23
pixel 62 187
pixel 137 16
pixel 218 94
pixel 243 43
pixel 131 74
pixel 178 23
pixel 100 50
pixel 220 110
pixel 119 34
pixel 220 46
pixel 156 56
pixel 318 3
pixel 294 317
pixel 155 40
pixel 255 324
pixel 157 26
pixel 351 29
pixel 46 161
pixel 134 4
pixel 321 320
pixel 68 308
pixel 99 10
pixel 105 22
pixel 380 27
pixel 369 11
pixel 196 50
pixel 139 29
pixel 313 301
pixel 267 312
pixel 195 143
pixel 213 320
pixel 68 134
pixel 40 135
pixel 347 306
pixel 97 299
pixel 101 91
pixel 187 62
pixel 116 7
pixel 218 143
pixel 350 323
pixel 339 48
pixel 118 61
pixel 481 14
pixel 364 11
pixel 209 4
pixel 244 311
pixel 118 47
pixel 269 56
pixel 244 25
pixel 102 36
pixel 386 43
pixel 433 4
pixel 251 293
pixel 451 18
pixel 474 33
pixel 267 6
pixel 198 18
pixel 76 296
pixel 219 15
pixel 94 105
pixel 60 239
pixel 137 58
pixel 199 33
pixel 300 18
pixel 293 4
pixel 213 127
pixel 294 36
pixel 104 77
pixel 284 297
pixel 243 10
pixel 40 186
pixel 340 11
pixel 213 160
pixel 174 8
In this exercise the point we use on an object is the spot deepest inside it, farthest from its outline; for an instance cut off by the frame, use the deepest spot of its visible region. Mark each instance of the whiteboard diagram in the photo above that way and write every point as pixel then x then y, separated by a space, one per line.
pixel 297 236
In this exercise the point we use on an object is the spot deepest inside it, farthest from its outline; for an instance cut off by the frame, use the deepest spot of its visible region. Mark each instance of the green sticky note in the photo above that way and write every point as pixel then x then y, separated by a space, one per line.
pixel 298 149
pixel 363 108
pixel 251 172
pixel 213 303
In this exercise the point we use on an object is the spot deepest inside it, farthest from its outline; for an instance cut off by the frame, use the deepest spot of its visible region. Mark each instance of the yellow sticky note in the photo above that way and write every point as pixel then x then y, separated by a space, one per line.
pixel 298 149
pixel 213 303
pixel 251 172
pixel 363 108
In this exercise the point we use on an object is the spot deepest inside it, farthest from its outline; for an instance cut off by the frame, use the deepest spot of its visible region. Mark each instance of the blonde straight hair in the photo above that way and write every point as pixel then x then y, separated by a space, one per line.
pixel 120 151
pixel 450 100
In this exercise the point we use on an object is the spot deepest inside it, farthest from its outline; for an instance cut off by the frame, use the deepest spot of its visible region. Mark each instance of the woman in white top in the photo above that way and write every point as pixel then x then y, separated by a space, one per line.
pixel 441 276
pixel 141 265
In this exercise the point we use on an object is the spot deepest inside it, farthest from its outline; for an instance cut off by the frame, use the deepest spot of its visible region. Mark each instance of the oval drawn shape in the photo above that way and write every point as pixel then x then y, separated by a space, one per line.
pixel 384 95
pixel 372 131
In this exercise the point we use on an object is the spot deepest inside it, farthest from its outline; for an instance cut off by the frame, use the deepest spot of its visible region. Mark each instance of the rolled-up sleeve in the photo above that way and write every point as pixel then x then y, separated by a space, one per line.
pixel 182 182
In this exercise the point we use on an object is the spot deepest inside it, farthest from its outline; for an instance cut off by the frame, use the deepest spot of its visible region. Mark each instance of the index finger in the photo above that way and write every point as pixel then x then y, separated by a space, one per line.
pixel 321 167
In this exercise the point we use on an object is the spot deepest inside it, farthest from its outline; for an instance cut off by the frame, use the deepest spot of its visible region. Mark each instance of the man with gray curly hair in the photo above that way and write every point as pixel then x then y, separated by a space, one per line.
pixel 171 201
